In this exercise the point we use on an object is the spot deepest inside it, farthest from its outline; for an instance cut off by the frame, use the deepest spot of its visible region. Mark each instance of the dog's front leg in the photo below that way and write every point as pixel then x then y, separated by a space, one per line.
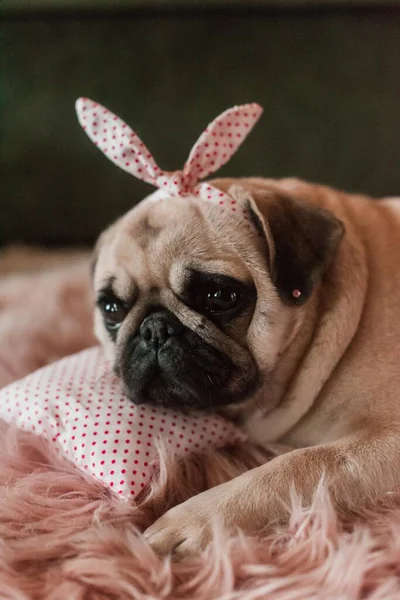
pixel 357 469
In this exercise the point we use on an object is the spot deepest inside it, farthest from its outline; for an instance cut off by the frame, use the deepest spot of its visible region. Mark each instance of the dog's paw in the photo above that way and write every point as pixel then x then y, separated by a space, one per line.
pixel 186 529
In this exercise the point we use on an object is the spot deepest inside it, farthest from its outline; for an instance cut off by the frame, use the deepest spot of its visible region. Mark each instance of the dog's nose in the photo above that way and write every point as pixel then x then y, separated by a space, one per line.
pixel 159 327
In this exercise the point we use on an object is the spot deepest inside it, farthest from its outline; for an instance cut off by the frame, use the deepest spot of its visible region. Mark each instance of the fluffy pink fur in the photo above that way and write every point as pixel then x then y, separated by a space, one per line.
pixel 44 315
pixel 62 536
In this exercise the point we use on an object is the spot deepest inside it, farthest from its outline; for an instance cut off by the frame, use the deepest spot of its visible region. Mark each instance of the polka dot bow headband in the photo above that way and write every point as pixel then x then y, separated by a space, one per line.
pixel 212 150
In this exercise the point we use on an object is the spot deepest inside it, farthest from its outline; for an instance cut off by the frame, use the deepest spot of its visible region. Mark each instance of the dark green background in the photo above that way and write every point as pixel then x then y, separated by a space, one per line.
pixel 329 81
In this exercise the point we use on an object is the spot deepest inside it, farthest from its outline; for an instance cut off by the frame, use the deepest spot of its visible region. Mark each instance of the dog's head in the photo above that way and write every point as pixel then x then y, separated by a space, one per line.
pixel 193 307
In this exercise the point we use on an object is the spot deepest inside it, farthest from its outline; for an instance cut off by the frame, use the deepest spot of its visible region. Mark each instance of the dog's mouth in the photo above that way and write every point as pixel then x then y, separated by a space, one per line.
pixel 160 391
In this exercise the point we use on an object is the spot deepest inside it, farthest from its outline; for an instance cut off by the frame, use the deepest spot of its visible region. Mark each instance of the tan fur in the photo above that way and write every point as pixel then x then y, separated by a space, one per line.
pixel 332 390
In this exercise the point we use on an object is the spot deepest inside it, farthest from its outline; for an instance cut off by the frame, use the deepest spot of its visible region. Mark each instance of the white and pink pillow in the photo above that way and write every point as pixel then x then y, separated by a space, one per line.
pixel 79 405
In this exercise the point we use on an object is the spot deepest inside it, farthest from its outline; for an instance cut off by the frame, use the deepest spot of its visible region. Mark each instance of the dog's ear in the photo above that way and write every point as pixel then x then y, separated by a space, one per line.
pixel 95 256
pixel 301 239
pixel 93 262
pixel 104 238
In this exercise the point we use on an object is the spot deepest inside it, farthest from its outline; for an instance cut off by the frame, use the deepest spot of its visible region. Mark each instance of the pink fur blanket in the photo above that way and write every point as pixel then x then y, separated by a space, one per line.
pixel 62 536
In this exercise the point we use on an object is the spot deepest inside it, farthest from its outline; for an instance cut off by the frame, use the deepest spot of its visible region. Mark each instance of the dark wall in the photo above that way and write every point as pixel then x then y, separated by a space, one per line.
pixel 329 83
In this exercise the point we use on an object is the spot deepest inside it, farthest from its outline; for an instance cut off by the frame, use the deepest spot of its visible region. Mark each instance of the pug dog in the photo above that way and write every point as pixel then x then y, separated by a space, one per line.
pixel 289 326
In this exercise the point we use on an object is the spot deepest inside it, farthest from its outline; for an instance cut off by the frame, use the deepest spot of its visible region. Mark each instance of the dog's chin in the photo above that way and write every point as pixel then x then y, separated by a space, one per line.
pixel 172 395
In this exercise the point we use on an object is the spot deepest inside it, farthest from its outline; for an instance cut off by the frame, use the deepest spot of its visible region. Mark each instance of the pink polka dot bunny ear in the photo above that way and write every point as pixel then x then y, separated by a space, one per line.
pixel 116 140
pixel 220 141
pixel 213 149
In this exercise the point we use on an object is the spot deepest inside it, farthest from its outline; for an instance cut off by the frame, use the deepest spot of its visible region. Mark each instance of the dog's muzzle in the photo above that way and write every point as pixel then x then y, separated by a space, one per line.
pixel 166 363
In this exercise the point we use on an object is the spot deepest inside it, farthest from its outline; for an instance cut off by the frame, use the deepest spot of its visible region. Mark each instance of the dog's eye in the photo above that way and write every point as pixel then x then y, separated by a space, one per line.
pixel 221 299
pixel 113 311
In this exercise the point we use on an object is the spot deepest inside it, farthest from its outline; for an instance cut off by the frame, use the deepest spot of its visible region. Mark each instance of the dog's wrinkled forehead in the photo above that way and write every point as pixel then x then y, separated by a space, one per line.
pixel 163 235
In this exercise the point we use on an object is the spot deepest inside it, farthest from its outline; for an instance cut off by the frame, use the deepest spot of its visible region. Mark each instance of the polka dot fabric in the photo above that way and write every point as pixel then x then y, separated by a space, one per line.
pixel 80 405
pixel 213 149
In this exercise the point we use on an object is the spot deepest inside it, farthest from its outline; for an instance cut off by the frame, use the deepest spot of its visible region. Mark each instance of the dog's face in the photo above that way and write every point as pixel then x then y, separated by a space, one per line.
pixel 192 306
